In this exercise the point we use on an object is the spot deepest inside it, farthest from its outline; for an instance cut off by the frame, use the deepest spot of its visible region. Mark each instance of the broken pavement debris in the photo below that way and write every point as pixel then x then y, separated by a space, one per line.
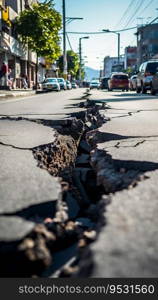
pixel 80 180
pixel 54 221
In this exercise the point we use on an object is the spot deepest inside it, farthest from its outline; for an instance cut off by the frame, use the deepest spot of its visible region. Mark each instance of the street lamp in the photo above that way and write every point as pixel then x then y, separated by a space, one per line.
pixel 141 21
pixel 118 34
pixel 80 55
pixel 70 19
pixel 64 42
pixel 66 20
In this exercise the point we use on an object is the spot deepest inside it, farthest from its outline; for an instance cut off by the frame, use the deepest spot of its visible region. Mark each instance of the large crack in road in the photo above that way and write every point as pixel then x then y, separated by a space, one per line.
pixel 52 226
pixel 57 240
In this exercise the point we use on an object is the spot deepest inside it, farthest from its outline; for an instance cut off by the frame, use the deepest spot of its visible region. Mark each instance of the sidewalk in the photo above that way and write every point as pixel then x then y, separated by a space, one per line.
pixel 5 94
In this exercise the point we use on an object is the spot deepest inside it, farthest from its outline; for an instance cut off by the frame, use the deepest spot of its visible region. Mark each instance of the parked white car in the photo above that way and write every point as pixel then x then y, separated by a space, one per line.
pixel 133 83
pixel 51 84
pixel 62 83
pixel 68 84
pixel 94 84
pixel 74 85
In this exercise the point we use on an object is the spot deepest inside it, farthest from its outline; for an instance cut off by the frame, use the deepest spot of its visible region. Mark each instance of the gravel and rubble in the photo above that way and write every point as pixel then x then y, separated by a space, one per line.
pixel 63 217
pixel 64 231
pixel 126 168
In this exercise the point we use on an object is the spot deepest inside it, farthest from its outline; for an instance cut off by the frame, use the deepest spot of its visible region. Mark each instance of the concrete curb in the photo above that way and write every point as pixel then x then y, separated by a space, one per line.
pixel 16 94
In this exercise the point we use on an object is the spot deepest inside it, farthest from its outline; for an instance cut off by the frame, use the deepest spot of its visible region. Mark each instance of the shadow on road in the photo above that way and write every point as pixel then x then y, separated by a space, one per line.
pixel 102 137
pixel 35 213
pixel 124 99
pixel 113 97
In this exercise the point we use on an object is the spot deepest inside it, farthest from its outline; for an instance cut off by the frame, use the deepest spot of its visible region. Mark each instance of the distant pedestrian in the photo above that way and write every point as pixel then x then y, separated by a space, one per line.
pixel 24 81
pixel 10 78
pixel 4 70
pixel 9 73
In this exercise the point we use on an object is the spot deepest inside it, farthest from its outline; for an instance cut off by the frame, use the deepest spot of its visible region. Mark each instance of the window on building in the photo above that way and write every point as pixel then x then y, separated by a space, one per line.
pixel 2 2
pixel 13 31
pixel 155 48
pixel 154 34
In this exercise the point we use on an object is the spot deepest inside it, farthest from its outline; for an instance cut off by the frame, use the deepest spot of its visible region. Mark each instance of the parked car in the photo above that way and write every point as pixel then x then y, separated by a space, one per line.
pixel 94 84
pixel 118 80
pixel 145 75
pixel 62 83
pixel 132 82
pixel 74 85
pixel 104 83
pixel 68 84
pixel 51 84
pixel 154 84
pixel 86 84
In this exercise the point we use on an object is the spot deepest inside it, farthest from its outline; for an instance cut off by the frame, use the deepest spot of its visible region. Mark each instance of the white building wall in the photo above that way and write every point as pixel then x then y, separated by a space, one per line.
pixel 19 5
pixel 109 62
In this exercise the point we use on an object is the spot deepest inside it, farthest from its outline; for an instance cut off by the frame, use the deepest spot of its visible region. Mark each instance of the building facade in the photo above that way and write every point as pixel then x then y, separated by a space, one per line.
pixel 131 58
pixel 147 42
pixel 111 65
pixel 20 60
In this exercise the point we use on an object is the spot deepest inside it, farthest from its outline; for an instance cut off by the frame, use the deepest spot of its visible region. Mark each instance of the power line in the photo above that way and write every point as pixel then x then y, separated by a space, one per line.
pixel 147 24
pixel 138 6
pixel 77 32
pixel 69 41
pixel 149 3
pixel 126 29
pixel 100 32
pixel 137 9
pixel 126 11
pixel 153 21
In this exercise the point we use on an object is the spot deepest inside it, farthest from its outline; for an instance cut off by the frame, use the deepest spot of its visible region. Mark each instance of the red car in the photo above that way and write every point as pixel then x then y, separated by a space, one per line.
pixel 118 81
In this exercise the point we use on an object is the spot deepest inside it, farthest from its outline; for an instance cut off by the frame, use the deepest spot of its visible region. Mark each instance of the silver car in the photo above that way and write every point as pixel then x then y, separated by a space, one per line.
pixel 133 83
pixel 68 84
pixel 145 75
pixel 74 85
pixel 94 84
pixel 51 84
pixel 62 83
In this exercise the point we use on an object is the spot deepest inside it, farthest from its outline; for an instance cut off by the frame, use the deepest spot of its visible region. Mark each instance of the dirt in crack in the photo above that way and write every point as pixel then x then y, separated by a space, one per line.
pixel 75 223
pixel 58 246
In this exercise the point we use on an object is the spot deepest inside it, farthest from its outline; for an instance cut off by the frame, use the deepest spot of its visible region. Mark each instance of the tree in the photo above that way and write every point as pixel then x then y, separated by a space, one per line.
pixel 38 27
pixel 72 63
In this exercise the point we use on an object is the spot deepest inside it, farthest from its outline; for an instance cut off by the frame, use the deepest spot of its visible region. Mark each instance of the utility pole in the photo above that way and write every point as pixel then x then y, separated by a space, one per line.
pixel 80 56
pixel 64 42
pixel 118 43
pixel 118 48
pixel 80 59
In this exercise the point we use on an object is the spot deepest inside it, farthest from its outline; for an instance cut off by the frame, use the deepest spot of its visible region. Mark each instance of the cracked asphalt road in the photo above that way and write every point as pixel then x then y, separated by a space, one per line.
pixel 26 189
pixel 128 245
pixel 132 133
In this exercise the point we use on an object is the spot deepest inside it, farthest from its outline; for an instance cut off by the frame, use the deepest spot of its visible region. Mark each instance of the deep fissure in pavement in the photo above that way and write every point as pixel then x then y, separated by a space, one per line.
pixel 66 225
pixel 87 176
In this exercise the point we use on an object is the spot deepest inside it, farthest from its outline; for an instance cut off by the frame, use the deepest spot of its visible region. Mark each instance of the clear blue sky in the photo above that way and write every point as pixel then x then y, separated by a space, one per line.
pixel 105 14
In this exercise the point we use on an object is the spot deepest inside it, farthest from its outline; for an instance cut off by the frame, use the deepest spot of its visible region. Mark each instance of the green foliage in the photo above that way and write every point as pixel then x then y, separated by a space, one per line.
pixel 38 27
pixel 130 71
pixel 72 63
pixel 82 73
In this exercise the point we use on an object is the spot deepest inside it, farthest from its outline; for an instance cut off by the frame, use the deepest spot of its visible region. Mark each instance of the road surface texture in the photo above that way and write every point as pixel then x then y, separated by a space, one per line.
pixel 126 163
pixel 79 183
pixel 51 105
pixel 29 142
